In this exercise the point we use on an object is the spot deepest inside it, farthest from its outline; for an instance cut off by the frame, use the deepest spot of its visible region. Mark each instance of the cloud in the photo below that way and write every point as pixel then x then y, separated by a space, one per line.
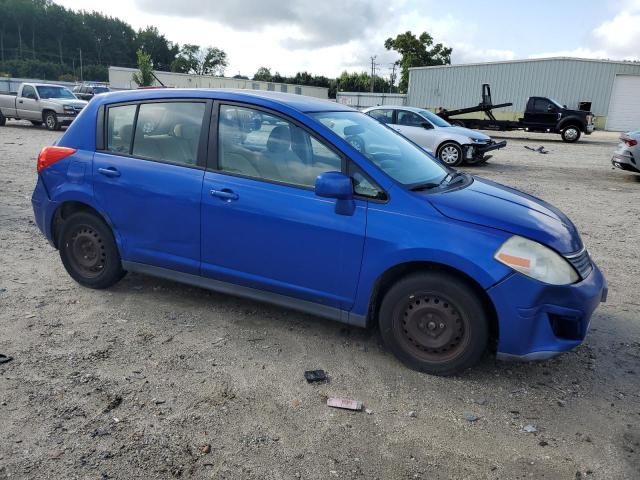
pixel 467 53
pixel 308 23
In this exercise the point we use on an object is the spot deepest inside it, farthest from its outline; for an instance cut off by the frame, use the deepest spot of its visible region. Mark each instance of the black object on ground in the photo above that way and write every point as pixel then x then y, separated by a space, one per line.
pixel 5 358
pixel 315 376
pixel 538 150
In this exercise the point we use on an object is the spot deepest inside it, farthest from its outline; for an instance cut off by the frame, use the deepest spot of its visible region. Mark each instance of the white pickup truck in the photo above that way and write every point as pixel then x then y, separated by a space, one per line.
pixel 53 105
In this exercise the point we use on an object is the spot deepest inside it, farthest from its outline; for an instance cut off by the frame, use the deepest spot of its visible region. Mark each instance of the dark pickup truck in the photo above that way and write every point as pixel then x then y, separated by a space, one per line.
pixel 542 115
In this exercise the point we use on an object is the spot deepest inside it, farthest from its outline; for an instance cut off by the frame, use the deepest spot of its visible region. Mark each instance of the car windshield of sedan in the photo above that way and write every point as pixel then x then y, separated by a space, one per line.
pixel 435 119
pixel 55 92
pixel 392 153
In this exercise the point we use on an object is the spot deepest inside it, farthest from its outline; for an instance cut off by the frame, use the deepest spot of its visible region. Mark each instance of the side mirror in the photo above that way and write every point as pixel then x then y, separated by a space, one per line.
pixel 334 185
pixel 426 125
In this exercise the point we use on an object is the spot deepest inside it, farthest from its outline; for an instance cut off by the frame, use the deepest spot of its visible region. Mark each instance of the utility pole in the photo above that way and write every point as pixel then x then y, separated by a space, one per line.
pixel 393 76
pixel 81 76
pixel 373 72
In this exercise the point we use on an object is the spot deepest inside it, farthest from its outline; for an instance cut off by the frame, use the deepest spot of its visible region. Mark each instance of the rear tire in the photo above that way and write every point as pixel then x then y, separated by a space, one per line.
pixel 434 323
pixel 3 120
pixel 450 153
pixel 51 121
pixel 570 134
pixel 89 252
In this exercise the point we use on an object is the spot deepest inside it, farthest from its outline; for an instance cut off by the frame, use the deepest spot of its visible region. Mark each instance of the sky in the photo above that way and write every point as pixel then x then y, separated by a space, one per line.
pixel 326 37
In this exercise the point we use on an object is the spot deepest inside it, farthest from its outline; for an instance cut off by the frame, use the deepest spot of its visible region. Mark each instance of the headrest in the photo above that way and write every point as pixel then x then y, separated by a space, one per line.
pixel 186 131
pixel 279 139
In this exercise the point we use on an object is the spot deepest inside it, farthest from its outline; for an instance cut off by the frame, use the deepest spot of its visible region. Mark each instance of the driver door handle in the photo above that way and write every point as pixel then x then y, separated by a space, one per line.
pixel 225 194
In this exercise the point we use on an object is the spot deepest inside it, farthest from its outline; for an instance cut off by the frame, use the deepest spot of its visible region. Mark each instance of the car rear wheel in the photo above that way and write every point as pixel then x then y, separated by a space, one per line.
pixel 450 153
pixel 89 252
pixel 434 323
pixel 570 134
pixel 51 121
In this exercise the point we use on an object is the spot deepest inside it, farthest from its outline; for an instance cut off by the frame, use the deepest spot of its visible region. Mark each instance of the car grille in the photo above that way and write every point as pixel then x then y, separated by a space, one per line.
pixel 581 262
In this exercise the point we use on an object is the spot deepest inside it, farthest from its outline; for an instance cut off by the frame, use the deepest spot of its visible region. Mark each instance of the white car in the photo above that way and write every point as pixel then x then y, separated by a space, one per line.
pixel 452 145
pixel 627 156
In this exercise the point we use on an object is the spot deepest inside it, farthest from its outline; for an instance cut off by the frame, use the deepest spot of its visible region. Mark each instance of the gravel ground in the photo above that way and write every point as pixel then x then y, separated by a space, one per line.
pixel 152 379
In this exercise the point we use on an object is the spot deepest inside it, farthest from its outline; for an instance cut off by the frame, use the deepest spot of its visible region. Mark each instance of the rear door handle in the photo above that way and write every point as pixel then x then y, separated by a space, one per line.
pixel 109 172
pixel 225 194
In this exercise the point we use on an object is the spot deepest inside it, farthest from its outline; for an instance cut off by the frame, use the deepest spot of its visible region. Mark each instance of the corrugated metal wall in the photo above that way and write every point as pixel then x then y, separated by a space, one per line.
pixel 120 77
pixel 569 81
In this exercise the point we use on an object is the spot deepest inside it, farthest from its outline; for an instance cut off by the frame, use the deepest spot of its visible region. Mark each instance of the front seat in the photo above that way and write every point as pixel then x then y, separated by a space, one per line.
pixel 280 162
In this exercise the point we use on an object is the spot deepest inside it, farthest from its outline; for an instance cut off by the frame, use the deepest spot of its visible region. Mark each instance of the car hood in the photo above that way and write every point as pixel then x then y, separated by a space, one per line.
pixel 67 101
pixel 493 205
pixel 467 132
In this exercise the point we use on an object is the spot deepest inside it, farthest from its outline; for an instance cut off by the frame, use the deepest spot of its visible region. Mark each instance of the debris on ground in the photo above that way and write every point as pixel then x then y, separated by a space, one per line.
pixel 205 448
pixel 344 403
pixel 368 411
pixel 530 429
pixel 471 417
pixel 5 358
pixel 412 414
pixel 315 376
pixel 540 149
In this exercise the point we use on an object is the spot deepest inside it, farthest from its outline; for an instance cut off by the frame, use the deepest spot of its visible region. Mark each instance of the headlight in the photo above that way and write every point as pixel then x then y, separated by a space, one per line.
pixel 68 107
pixel 536 261
pixel 479 140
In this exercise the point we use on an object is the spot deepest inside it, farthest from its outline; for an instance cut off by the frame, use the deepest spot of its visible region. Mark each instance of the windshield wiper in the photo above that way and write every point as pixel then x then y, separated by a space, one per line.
pixel 429 185
pixel 455 177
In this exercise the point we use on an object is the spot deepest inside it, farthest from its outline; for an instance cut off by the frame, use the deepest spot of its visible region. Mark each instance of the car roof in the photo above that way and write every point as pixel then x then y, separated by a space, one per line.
pixel 301 103
pixel 45 85
pixel 395 107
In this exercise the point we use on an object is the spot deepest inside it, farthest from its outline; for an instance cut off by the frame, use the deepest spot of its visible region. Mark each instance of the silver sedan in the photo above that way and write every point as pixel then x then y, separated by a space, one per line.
pixel 627 155
pixel 452 145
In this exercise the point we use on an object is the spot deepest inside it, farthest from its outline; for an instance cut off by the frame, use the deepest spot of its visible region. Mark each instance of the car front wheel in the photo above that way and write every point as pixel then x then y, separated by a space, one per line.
pixel 89 252
pixel 450 154
pixel 434 323
pixel 51 121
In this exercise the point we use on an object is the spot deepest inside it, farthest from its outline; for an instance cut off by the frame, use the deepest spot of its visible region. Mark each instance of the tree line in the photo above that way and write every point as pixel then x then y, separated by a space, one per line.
pixel 41 39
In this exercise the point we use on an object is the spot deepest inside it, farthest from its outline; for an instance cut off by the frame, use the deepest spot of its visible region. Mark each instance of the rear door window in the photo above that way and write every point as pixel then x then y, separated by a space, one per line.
pixel 382 115
pixel 120 128
pixel 169 132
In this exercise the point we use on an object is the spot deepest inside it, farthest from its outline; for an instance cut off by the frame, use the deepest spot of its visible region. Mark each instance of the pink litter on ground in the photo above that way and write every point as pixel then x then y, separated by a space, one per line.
pixel 344 403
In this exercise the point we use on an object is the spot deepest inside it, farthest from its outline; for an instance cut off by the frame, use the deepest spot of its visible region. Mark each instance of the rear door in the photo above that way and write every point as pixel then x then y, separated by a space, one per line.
pixel 417 129
pixel 262 224
pixel 148 179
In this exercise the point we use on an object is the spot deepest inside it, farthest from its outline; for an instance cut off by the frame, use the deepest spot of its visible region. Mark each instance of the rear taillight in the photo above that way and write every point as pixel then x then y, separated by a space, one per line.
pixel 50 155
pixel 629 141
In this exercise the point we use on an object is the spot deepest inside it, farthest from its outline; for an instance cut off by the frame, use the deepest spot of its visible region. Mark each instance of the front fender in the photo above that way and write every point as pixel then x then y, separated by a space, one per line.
pixel 571 120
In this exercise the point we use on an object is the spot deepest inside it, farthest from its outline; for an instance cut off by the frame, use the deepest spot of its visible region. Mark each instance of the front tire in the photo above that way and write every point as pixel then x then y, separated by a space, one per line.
pixel 434 323
pixel 450 153
pixel 89 252
pixel 51 121
pixel 570 134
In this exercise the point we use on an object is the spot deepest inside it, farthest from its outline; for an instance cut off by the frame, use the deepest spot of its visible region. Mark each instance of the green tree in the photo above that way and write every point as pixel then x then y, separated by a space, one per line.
pixel 144 78
pixel 187 59
pixel 162 51
pixel 212 61
pixel 417 52
pixel 263 74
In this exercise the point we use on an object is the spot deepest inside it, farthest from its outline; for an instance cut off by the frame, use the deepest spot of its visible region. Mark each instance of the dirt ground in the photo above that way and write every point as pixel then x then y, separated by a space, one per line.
pixel 152 379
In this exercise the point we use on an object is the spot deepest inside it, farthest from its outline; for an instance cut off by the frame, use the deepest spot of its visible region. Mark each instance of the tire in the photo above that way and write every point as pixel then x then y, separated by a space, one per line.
pixel 434 323
pixel 3 120
pixel 570 134
pixel 35 123
pixel 51 120
pixel 450 153
pixel 89 252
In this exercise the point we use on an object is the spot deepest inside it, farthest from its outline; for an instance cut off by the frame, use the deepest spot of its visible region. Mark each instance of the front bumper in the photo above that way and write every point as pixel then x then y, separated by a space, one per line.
pixel 66 118
pixel 590 128
pixel 625 160
pixel 477 152
pixel 538 321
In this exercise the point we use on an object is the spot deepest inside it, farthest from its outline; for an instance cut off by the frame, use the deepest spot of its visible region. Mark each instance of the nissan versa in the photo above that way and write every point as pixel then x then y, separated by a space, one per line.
pixel 263 195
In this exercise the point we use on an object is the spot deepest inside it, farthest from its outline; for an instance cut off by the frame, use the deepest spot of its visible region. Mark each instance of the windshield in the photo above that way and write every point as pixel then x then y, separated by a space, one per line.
pixel 557 103
pixel 55 92
pixel 392 153
pixel 97 90
pixel 435 119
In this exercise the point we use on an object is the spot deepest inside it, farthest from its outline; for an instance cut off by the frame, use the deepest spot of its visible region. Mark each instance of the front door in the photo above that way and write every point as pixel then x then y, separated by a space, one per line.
pixel 262 224
pixel 544 113
pixel 148 179
pixel 27 105
pixel 416 128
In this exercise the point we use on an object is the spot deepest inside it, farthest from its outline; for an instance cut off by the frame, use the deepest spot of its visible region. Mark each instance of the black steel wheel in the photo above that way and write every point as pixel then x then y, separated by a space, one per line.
pixel 89 252
pixel 435 323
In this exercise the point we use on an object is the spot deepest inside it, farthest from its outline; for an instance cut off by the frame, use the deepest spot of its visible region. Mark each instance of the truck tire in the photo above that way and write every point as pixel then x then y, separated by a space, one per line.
pixel 3 120
pixel 434 322
pixel 51 120
pixel 570 134
pixel 450 153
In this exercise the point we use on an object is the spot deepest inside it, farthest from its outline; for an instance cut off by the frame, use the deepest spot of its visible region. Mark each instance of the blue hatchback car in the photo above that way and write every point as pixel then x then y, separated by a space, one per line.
pixel 314 206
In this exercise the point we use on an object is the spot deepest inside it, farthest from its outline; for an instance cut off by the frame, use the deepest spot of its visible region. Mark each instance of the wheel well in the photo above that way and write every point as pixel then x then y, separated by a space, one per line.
pixel 44 112
pixel 572 123
pixel 394 274
pixel 64 211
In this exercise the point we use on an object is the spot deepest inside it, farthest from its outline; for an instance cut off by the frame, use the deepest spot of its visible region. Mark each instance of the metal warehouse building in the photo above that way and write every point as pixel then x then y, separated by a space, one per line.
pixel 612 87
pixel 121 78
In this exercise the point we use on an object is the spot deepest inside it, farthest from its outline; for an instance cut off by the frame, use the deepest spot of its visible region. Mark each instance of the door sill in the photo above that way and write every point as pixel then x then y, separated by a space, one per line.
pixel 292 303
